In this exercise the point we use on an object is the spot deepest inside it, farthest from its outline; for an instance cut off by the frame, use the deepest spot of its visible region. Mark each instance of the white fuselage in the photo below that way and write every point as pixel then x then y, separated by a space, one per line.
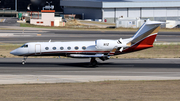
pixel 65 48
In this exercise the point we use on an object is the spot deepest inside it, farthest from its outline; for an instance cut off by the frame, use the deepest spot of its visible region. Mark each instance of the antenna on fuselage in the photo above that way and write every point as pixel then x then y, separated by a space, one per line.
pixel 50 40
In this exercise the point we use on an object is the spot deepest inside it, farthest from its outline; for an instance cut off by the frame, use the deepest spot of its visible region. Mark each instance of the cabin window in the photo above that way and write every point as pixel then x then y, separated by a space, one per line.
pixel 84 47
pixel 47 48
pixel 76 48
pixel 61 48
pixel 68 48
pixel 54 48
pixel 24 46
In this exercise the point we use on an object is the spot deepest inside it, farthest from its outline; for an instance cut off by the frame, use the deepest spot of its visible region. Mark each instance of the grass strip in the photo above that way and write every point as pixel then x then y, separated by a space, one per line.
pixel 94 91
pixel 158 51
pixel 91 27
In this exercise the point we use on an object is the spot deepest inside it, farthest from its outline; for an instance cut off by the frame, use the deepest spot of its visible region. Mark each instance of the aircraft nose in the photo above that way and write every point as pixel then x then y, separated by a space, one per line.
pixel 13 52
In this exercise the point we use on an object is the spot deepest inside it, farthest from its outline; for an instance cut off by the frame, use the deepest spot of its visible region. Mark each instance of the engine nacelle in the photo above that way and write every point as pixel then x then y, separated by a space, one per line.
pixel 105 44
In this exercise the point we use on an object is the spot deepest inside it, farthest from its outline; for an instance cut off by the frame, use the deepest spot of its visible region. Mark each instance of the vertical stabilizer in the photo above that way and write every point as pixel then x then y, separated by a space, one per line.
pixel 145 36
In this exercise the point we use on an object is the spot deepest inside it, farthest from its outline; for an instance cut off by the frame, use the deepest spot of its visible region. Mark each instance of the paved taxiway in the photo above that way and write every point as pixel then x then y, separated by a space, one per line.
pixel 77 70
pixel 44 35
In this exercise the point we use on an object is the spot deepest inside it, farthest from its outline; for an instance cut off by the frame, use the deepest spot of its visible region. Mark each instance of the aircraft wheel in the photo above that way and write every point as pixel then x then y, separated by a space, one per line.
pixel 23 62
pixel 93 62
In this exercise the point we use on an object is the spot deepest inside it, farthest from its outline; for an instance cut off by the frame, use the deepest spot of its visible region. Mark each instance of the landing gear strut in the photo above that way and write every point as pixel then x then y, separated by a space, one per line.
pixel 93 62
pixel 24 60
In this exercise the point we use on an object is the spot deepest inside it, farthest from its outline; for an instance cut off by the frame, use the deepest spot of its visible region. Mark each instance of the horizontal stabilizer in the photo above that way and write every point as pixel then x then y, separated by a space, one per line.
pixel 155 23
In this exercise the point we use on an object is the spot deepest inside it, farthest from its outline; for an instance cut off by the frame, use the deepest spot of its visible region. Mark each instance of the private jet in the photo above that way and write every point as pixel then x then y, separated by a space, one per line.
pixel 100 48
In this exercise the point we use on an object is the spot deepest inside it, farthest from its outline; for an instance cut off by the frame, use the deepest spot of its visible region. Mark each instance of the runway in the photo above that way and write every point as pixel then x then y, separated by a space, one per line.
pixel 39 70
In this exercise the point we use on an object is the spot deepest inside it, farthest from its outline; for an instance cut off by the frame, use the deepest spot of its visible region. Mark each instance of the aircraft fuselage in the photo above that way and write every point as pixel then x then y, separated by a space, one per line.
pixel 64 48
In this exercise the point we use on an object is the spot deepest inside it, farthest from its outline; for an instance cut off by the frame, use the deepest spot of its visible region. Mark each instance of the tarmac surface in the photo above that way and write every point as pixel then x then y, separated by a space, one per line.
pixel 8 21
pixel 78 70
pixel 24 35
pixel 52 70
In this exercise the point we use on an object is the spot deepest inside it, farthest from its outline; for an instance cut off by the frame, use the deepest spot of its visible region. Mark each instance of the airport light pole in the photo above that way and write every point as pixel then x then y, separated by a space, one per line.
pixel 15 5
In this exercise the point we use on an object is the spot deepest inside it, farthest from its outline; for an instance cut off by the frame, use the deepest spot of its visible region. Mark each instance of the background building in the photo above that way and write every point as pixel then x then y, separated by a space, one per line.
pixel 110 10
pixel 35 5
pixel 7 4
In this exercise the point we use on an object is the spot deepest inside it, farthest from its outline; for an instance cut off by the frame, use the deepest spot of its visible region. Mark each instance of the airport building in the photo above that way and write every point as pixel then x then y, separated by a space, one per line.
pixel 35 5
pixel 111 10
pixel 11 8
pixel 100 10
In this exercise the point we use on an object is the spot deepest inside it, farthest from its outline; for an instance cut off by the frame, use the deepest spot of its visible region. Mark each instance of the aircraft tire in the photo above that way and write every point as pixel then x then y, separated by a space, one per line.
pixel 23 62
pixel 93 62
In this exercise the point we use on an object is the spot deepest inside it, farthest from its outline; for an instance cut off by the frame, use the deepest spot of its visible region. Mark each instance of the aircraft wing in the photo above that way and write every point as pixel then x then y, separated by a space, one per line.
pixel 111 53
pixel 87 56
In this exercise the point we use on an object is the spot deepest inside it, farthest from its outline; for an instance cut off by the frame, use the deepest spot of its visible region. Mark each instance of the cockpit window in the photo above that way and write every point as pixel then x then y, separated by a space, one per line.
pixel 24 46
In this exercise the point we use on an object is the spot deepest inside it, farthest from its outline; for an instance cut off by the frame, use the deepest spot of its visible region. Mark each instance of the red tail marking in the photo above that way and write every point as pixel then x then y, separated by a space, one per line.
pixel 146 43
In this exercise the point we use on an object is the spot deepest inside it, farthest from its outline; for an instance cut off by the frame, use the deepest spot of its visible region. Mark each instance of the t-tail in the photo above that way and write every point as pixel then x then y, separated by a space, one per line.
pixel 144 37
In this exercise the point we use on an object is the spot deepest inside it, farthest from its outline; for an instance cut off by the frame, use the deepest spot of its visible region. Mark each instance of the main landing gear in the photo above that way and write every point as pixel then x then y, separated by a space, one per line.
pixel 24 60
pixel 93 62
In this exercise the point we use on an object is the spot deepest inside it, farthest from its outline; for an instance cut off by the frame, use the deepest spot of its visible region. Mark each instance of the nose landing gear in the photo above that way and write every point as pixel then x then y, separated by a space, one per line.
pixel 24 60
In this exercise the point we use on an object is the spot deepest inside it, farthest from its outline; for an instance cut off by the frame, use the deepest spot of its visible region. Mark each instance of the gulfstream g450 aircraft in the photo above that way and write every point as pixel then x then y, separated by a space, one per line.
pixel 101 48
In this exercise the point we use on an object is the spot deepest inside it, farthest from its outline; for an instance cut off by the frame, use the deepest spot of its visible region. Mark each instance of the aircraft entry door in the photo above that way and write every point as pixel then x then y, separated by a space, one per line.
pixel 37 49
